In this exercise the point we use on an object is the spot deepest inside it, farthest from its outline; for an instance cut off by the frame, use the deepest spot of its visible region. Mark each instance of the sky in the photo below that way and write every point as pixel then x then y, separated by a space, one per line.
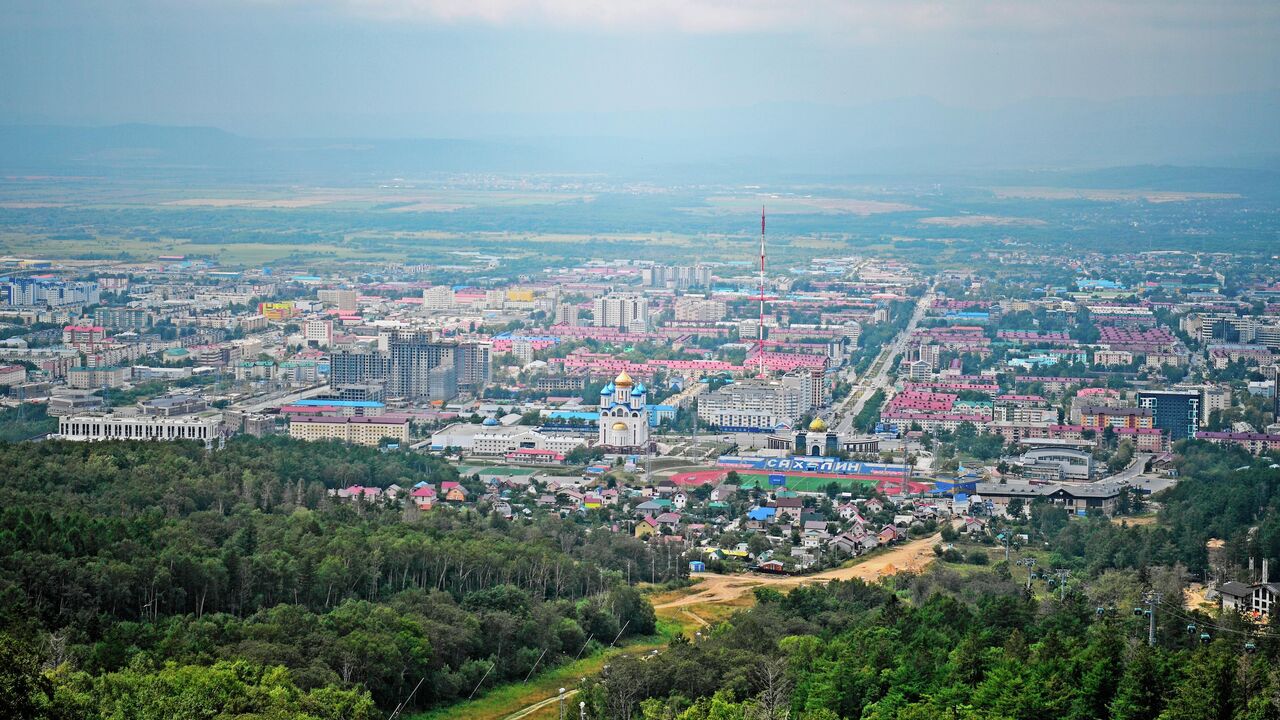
pixel 572 68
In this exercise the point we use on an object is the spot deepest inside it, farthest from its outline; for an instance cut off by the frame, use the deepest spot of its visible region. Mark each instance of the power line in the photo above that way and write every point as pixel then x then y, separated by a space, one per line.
pixel 1181 614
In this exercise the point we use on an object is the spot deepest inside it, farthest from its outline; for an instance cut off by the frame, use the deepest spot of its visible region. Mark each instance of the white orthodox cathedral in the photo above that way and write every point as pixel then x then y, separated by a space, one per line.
pixel 624 416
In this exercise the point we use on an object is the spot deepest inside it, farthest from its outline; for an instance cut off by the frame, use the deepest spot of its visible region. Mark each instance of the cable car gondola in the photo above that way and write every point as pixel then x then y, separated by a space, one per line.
pixel 1204 638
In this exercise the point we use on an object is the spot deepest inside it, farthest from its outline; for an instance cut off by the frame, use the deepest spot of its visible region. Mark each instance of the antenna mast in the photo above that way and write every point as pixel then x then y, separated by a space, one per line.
pixel 760 327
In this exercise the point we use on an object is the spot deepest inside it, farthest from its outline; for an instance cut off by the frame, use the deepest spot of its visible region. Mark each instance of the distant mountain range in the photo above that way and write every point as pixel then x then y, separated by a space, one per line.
pixel 1232 139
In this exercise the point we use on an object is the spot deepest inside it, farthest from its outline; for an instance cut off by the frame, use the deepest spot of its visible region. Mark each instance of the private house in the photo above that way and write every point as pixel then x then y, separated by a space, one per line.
pixel 789 508
pixel 646 527
pixel 453 492
pixel 759 518
pixel 356 492
pixel 772 566
pixel 668 519
pixel 889 534
pixel 652 507
pixel 424 496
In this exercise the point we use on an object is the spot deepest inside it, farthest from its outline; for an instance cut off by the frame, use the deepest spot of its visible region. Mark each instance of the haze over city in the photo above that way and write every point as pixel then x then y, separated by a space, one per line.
pixel 890 85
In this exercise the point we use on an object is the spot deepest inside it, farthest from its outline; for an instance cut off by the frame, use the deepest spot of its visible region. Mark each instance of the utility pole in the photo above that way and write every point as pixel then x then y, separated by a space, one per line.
pixel 1152 601
pixel 1028 563
pixel 1062 574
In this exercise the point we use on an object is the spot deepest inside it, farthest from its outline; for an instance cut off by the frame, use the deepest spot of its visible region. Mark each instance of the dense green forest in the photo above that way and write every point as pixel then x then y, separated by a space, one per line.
pixel 133 567
pixel 972 648
pixel 161 580
pixel 25 421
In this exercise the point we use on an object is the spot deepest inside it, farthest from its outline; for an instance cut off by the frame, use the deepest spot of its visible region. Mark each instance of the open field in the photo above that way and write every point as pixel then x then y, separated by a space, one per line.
pixel 791 205
pixel 1135 520
pixel 230 253
pixel 18 193
pixel 1151 196
pixel 960 221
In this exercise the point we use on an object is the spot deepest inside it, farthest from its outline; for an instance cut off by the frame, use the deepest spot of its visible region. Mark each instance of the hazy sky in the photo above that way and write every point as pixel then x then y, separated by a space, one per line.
pixel 432 67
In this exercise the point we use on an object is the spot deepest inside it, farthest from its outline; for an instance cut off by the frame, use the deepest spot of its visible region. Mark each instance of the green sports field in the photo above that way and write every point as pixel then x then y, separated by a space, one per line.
pixel 806 484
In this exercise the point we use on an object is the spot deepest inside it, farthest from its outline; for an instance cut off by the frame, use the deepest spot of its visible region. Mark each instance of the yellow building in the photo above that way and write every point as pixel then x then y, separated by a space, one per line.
pixel 277 311
pixel 357 430
pixel 646 527
pixel 520 295
pixel 1130 418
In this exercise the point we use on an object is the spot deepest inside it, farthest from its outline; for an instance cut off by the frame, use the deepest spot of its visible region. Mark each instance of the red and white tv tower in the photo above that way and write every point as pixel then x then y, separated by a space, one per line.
pixel 760 328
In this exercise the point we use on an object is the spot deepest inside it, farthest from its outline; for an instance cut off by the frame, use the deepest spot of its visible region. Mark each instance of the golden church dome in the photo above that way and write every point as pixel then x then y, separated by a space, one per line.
pixel 623 380
pixel 818 425
pixel 619 426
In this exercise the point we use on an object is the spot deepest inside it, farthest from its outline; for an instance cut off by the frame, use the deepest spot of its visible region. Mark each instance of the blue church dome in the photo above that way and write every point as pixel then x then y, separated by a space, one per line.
pixel 490 422
pixel 607 389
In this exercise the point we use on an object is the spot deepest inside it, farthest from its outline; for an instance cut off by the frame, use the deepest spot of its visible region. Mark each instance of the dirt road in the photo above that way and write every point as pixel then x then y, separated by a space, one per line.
pixel 723 589
pixel 716 596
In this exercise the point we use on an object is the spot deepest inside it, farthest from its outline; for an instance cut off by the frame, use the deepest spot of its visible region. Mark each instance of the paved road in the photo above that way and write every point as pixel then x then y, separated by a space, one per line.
pixel 880 375
pixel 276 399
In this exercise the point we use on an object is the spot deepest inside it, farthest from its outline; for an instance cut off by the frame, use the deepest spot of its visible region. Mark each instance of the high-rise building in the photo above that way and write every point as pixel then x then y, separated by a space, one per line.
pixel 352 367
pixel 442 382
pixel 344 300
pixel 48 292
pixel 523 351
pixel 1272 373
pixel 413 356
pixel 567 314
pixel 122 318
pixel 439 297
pixel 697 309
pixel 627 311
pixel 680 277
pixel 474 363
pixel 1175 412
pixel 414 366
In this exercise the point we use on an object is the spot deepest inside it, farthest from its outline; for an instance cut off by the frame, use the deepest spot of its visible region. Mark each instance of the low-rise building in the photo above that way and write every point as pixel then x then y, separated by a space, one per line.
pixel 1255 443
pixel 357 430
pixel 98 377
pixel 204 427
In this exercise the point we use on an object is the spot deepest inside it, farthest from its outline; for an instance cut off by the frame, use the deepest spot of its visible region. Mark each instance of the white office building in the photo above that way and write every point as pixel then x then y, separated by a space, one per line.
pixel 204 427
pixel 754 405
